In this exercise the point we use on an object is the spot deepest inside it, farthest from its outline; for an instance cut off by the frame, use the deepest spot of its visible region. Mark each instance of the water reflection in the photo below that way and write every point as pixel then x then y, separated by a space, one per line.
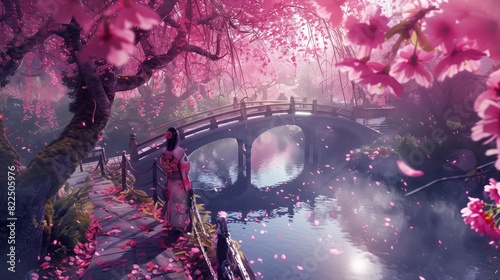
pixel 333 223
pixel 276 157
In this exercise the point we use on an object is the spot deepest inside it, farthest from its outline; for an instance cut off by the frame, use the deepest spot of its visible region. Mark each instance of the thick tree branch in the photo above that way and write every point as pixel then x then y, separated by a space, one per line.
pixel 11 59
pixel 145 72
pixel 157 62
pixel 200 51
pixel 166 7
pixel 207 20
pixel 151 63
pixel 88 70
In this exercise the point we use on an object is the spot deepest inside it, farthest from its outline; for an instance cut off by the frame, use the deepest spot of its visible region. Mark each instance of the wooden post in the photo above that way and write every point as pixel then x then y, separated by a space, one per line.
pixel 101 164
pixel 124 171
pixel 181 133
pixel 155 180
pixel 132 147
pixel 292 105
pixel 315 106
pixel 235 103
pixel 243 110
pixel 268 111
pixel 213 123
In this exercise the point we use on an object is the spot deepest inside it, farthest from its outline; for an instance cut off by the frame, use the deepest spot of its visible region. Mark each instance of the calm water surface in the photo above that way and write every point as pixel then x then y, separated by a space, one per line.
pixel 294 221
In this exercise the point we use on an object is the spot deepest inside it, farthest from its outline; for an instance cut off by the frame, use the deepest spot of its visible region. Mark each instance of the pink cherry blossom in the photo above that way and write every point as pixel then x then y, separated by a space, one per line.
pixel 130 15
pixel 462 8
pixel 485 30
pixel 269 4
pixel 492 152
pixel 63 10
pixel 112 44
pixel 494 190
pixel 440 29
pixel 409 66
pixel 489 125
pixel 461 58
pixel 331 9
pixel 478 21
pixel 381 82
pixel 493 91
pixel 355 68
pixel 411 9
pixel 407 170
pixel 480 221
pixel 368 33
pixel 234 3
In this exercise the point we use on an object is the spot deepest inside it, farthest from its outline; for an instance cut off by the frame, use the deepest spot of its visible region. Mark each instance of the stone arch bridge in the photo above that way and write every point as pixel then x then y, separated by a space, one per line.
pixel 246 121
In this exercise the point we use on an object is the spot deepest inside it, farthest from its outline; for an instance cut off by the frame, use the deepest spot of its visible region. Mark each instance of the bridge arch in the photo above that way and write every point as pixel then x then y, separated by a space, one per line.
pixel 318 122
pixel 246 132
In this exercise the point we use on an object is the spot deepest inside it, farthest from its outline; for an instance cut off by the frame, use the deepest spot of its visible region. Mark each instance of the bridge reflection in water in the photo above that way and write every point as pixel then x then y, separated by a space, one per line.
pixel 363 228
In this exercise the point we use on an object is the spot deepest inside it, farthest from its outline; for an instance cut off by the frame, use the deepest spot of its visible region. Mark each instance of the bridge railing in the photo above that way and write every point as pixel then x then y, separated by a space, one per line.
pixel 200 115
pixel 212 119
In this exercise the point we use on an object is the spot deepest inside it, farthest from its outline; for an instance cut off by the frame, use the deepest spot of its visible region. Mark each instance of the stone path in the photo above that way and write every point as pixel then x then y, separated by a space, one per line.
pixel 130 245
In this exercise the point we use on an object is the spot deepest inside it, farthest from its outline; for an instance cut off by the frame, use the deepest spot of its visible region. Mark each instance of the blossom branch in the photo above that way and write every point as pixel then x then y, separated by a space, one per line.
pixel 129 82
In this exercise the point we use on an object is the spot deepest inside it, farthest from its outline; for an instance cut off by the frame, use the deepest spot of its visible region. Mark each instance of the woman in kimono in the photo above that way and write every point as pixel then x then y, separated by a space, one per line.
pixel 176 166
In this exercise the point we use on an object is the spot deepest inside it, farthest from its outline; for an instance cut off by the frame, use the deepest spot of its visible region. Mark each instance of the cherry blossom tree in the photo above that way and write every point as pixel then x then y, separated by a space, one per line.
pixel 100 49
pixel 103 48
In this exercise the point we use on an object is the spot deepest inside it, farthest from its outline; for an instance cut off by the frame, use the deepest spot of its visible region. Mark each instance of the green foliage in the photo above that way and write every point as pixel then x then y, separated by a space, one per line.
pixel 453 125
pixel 405 145
pixel 66 221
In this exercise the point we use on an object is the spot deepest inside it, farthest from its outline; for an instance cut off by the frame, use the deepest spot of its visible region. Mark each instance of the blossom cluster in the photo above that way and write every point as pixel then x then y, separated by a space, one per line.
pixel 459 33
pixel 114 41
pixel 482 216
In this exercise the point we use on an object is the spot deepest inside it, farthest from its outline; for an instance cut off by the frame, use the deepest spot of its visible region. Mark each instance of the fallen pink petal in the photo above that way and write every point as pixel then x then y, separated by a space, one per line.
pixel 407 170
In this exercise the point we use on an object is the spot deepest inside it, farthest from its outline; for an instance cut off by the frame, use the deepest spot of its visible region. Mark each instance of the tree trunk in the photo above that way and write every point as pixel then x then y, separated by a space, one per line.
pixel 37 183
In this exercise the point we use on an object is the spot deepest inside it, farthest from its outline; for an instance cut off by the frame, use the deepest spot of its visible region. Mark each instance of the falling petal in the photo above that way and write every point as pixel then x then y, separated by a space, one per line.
pixel 335 251
pixel 407 170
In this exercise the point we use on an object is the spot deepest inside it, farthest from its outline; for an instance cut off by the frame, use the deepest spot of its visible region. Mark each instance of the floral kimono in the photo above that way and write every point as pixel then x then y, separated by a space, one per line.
pixel 176 165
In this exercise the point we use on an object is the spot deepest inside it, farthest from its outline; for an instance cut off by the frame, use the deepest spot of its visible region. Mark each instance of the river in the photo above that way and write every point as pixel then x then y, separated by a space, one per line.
pixel 297 221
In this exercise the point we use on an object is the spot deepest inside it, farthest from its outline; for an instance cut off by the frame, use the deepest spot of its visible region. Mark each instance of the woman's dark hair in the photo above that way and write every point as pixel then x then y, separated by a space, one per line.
pixel 174 141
